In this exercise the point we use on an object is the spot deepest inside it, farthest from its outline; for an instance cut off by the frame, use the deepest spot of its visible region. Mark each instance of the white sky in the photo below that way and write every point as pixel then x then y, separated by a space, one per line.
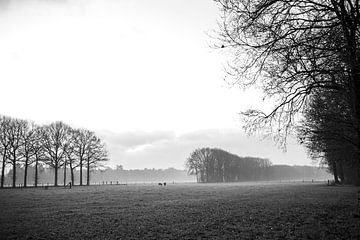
pixel 129 69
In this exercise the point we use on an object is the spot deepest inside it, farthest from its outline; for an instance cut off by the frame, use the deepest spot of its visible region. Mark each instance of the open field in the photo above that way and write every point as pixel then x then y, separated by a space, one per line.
pixel 181 211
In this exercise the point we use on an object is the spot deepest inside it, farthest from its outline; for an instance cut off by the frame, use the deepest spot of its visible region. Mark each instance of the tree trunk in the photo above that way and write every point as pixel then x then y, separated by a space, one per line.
pixel 3 171
pixel 26 170
pixel 335 172
pixel 72 176
pixel 56 174
pixel 65 173
pixel 88 173
pixel 14 172
pixel 36 172
pixel 71 172
pixel 81 165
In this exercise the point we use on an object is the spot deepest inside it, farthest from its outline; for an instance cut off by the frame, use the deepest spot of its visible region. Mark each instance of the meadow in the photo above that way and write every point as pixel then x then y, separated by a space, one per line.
pixel 181 211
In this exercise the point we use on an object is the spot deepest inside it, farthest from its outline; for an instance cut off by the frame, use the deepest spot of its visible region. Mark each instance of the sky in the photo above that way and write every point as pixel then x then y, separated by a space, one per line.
pixel 142 74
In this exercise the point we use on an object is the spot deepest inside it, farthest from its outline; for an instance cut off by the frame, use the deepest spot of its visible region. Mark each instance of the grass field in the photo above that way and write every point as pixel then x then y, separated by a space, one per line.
pixel 181 211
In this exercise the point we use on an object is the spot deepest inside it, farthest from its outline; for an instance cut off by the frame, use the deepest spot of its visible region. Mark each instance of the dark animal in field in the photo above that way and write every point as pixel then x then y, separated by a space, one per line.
pixel 160 184
pixel 164 183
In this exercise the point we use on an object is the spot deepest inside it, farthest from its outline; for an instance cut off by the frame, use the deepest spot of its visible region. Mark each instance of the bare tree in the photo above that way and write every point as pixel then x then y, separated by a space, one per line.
pixel 82 139
pixel 96 154
pixel 193 166
pixel 4 145
pixel 70 154
pixel 29 147
pixel 197 163
pixel 54 141
pixel 39 153
pixel 68 158
pixel 216 165
pixel 15 131
pixel 291 49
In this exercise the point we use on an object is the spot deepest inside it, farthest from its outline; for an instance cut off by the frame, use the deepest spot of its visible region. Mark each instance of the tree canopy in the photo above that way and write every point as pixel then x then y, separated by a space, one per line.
pixel 298 52
pixel 216 165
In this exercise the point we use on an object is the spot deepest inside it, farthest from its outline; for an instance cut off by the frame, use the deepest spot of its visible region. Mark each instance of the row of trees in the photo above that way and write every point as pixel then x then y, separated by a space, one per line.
pixel 216 165
pixel 306 57
pixel 329 136
pixel 56 145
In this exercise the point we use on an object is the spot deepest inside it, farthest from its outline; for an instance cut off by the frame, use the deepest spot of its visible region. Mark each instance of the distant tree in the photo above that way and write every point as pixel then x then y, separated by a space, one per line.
pixel 14 132
pixel 4 145
pixel 71 156
pixel 30 147
pixel 199 159
pixel 216 165
pixel 82 139
pixel 193 164
pixel 39 153
pixel 54 141
pixel 96 154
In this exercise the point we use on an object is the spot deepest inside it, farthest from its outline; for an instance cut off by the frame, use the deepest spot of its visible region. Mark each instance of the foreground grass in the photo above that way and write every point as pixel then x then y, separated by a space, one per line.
pixel 181 211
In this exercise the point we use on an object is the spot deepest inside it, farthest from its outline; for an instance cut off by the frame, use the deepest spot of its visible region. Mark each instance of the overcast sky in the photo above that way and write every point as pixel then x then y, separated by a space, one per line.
pixel 140 73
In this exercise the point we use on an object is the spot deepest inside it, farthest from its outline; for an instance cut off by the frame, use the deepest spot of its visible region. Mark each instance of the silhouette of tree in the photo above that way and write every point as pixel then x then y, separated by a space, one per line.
pixel 4 145
pixel 292 49
pixel 216 165
pixel 327 131
pixel 14 132
pixel 30 147
pixel 82 139
pixel 54 141
pixel 96 154
pixel 56 145
pixel 70 153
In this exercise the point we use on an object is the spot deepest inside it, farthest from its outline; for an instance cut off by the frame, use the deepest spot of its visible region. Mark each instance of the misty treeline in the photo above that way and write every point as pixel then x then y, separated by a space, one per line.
pixel 217 165
pixel 56 145
pixel 305 56
pixel 104 175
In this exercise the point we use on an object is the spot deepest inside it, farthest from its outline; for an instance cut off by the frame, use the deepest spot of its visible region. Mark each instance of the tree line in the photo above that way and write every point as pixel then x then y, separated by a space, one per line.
pixel 305 55
pixel 216 165
pixel 106 175
pixel 56 145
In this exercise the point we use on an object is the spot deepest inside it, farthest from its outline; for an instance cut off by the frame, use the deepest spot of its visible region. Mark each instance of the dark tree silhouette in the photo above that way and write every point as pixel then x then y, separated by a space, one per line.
pixel 54 139
pixel 30 147
pixel 216 165
pixel 82 139
pixel 96 154
pixel 70 153
pixel 14 132
pixel 56 145
pixel 291 49
pixel 4 145
pixel 328 133
pixel 295 50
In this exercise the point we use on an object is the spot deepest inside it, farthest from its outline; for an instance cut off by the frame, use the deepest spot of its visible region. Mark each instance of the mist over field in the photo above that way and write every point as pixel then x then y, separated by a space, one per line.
pixel 171 175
